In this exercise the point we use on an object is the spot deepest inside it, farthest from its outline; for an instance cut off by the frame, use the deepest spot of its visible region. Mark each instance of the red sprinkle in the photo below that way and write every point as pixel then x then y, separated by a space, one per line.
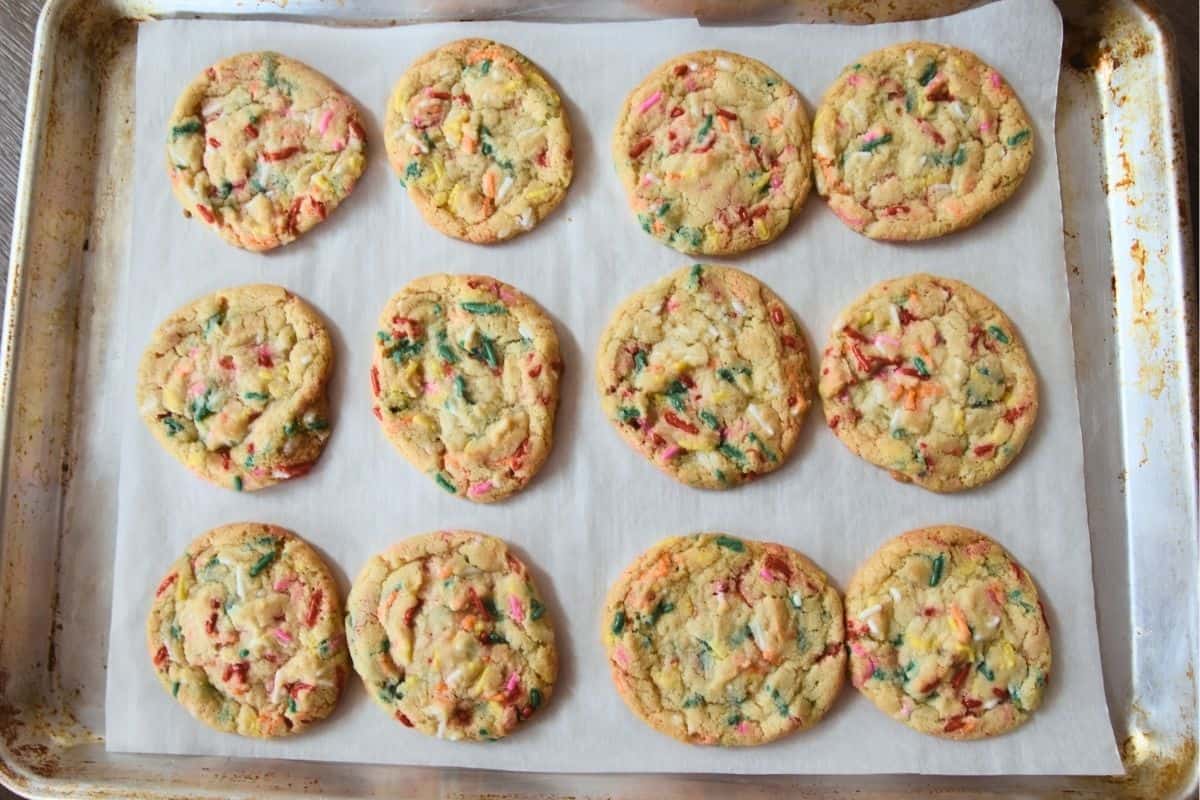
pixel 677 111
pixel 411 614
pixel 319 207
pixel 213 142
pixel 314 607
pixel 1001 694
pixel 280 155
pixel 976 332
pixel 777 315
pixel 775 564
pixel 375 382
pixel 854 334
pixel 160 656
pixel 226 462
pixel 264 358
pixel 356 129
pixel 204 212
pixel 833 423
pixel 541 159
pixel 971 702
pixel 863 364
pixel 674 421
pixel 984 449
pixel 953 724
pixel 789 342
pixel 210 627
pixel 477 604
pixel 405 721
pixel 533 373
pixel 166 583
pixel 250 131
pixel 226 362
pixel 1013 414
pixel 905 316
pixel 293 216
pixel 440 95
pixel 726 114
pixel 640 147
pixel 960 677
pixel 680 70
pixel 378 414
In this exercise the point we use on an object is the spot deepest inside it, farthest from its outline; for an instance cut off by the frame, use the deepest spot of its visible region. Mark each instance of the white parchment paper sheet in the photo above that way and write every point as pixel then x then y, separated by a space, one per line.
pixel 596 503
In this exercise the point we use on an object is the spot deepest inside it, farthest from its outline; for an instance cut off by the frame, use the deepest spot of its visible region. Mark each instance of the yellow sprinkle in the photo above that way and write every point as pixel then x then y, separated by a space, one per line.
pixel 265 374
pixel 959 421
pixel 423 421
pixel 453 196
pixel 1008 656
pixel 761 183
pixel 760 228
pixel 866 317
pixel 537 194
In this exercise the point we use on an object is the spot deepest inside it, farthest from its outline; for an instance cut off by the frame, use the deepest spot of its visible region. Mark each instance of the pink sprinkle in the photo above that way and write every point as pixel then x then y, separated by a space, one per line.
pixel 507 296
pixel 512 684
pixel 890 341
pixel 985 126
pixel 853 80
pixel 282 584
pixel 324 123
pixel 196 389
pixel 776 181
pixel 430 387
pixel 870 136
pixel 858 650
pixel 690 84
pixel 906 708
pixel 719 587
pixel 483 487
pixel 283 636
pixel 339 145
pixel 334 643
pixel 649 102
pixel 515 608
pixel 622 657
pixel 670 452
pixel 995 79
pixel 258 472
pixel 672 304
pixel 766 575
pixel 193 352
pixel 743 726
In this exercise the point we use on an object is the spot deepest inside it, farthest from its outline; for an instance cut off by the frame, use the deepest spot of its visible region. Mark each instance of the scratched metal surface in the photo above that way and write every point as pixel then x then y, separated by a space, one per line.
pixel 1132 278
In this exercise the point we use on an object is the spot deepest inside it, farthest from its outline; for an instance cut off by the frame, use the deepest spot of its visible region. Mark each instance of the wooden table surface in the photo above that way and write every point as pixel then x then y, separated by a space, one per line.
pixel 19 17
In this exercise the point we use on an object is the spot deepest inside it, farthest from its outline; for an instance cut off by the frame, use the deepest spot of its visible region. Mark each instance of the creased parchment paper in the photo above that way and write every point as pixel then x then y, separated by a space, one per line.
pixel 597 504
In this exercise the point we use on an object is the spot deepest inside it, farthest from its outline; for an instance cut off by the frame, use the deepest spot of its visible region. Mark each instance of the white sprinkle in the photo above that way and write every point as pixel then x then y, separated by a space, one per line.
pixel 693 65
pixel 895 593
pixel 910 57
pixel 960 109
pixel 453 678
pixel 275 688
pixel 415 142
pixel 978 637
pixel 940 187
pixel 240 589
pixel 713 332
pixel 505 185
pixel 797 600
pixel 924 160
pixel 150 406
pixel 649 177
pixel 993 622
pixel 738 308
pixel 525 332
pixel 754 412
pixel 990 704
pixel 870 612
pixel 526 220
pixel 724 64
pixel 305 360
pixel 280 474
pixel 527 132
pixel 895 315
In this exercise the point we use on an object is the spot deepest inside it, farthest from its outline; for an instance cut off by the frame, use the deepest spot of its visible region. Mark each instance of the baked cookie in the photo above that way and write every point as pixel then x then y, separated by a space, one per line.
pixel 919 140
pixel 706 374
pixel 480 139
pixel 465 383
pixel 233 385
pixel 926 377
pixel 713 150
pixel 246 632
pixel 261 148
pixel 450 636
pixel 717 640
pixel 947 634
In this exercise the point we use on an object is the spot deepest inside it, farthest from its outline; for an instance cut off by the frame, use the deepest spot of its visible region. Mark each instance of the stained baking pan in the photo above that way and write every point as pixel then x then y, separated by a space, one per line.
pixel 1132 281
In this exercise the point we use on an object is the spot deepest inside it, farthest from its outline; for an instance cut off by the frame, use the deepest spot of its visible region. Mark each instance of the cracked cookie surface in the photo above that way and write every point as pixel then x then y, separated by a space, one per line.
pixel 262 147
pixel 926 377
pixel 919 140
pixel 713 150
pixel 947 634
pixel 480 139
pixel 713 639
pixel 233 385
pixel 450 636
pixel 465 383
pixel 245 631
pixel 705 373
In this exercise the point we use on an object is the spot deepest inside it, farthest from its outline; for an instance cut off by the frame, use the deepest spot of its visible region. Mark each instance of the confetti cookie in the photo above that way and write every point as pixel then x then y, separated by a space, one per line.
pixel 262 148
pixel 717 640
pixel 706 374
pixel 450 636
pixel 925 377
pixel 713 151
pixel 947 634
pixel 919 140
pixel 465 383
pixel 480 139
pixel 233 385
pixel 246 632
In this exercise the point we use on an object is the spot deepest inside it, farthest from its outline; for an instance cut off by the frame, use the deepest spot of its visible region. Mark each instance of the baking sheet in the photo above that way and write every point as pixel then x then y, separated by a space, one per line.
pixel 596 503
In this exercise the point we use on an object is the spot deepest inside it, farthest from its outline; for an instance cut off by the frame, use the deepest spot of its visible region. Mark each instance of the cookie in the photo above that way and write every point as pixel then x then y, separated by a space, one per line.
pixel 245 631
pixel 261 148
pixel 919 140
pixel 706 374
pixel 233 385
pixel 926 377
pixel 713 151
pixel 718 640
pixel 450 636
pixel 947 634
pixel 464 381
pixel 480 139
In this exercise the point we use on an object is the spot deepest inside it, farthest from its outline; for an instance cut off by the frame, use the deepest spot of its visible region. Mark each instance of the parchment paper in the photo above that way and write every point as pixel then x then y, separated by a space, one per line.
pixel 597 504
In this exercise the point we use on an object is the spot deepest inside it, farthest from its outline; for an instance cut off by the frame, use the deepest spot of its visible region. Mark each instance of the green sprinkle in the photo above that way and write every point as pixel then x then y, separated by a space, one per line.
pixel 628 414
pixel 175 689
pixel 460 389
pixel 645 221
pixel 928 74
pixel 176 633
pixel 618 623
pixel 879 674
pixel 693 236
pixel 763 447
pixel 444 350
pixel 899 433
pixel 693 700
pixel 292 704
pixel 733 719
pixel 289 430
pixel 801 639
pixel 639 361
pixel 173 425
pixel 720 475
pixel 664 208
pixel 729 451
pixel 909 103
pixel 780 704
pixel 413 170
pixel 243 653
pixel 486 351
pixel 536 609
pixel 384 337
pixel 444 483
pixel 249 462
pixel 406 349
pixel 390 690
pixel 323 648
pixel 663 607
pixel 490 605
pixel 262 564
pixel 754 140
pixel 1018 137
pixel 256 186
pixel 260 396
pixel 867 147
pixel 986 671
pixel 909 669
pixel 485 66
pixel 535 698
pixel 960 156
pixel 200 408
pixel 317 425
pixel 1016 596
pixel 213 322
pixel 704 129
pixel 192 126
pixel 237 483
pixel 730 543
pixel 998 334
pixel 922 370
pixel 495 638
pixel 226 188
pixel 1014 693
pixel 269 65
pixel 675 394
pixel 710 419
pixel 694 280
pixel 726 374
pixel 483 309
pixel 939 563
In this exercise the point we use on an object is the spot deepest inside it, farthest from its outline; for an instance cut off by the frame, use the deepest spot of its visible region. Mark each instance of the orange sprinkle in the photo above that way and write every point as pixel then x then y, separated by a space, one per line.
pixel 910 400
pixel 773 122
pixel 959 619
pixel 489 184
pixel 468 622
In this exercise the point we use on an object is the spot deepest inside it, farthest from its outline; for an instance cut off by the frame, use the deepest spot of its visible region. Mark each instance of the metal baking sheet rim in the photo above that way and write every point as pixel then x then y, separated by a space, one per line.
pixel 38 743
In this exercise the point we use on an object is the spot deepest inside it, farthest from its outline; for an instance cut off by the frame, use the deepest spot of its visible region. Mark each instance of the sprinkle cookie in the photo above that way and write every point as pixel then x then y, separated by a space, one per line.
pixel 706 374
pixel 925 377
pixel 919 140
pixel 246 632
pixel 718 640
pixel 465 383
pixel 261 148
pixel 713 150
pixel 450 636
pixel 480 139
pixel 233 385
pixel 947 634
